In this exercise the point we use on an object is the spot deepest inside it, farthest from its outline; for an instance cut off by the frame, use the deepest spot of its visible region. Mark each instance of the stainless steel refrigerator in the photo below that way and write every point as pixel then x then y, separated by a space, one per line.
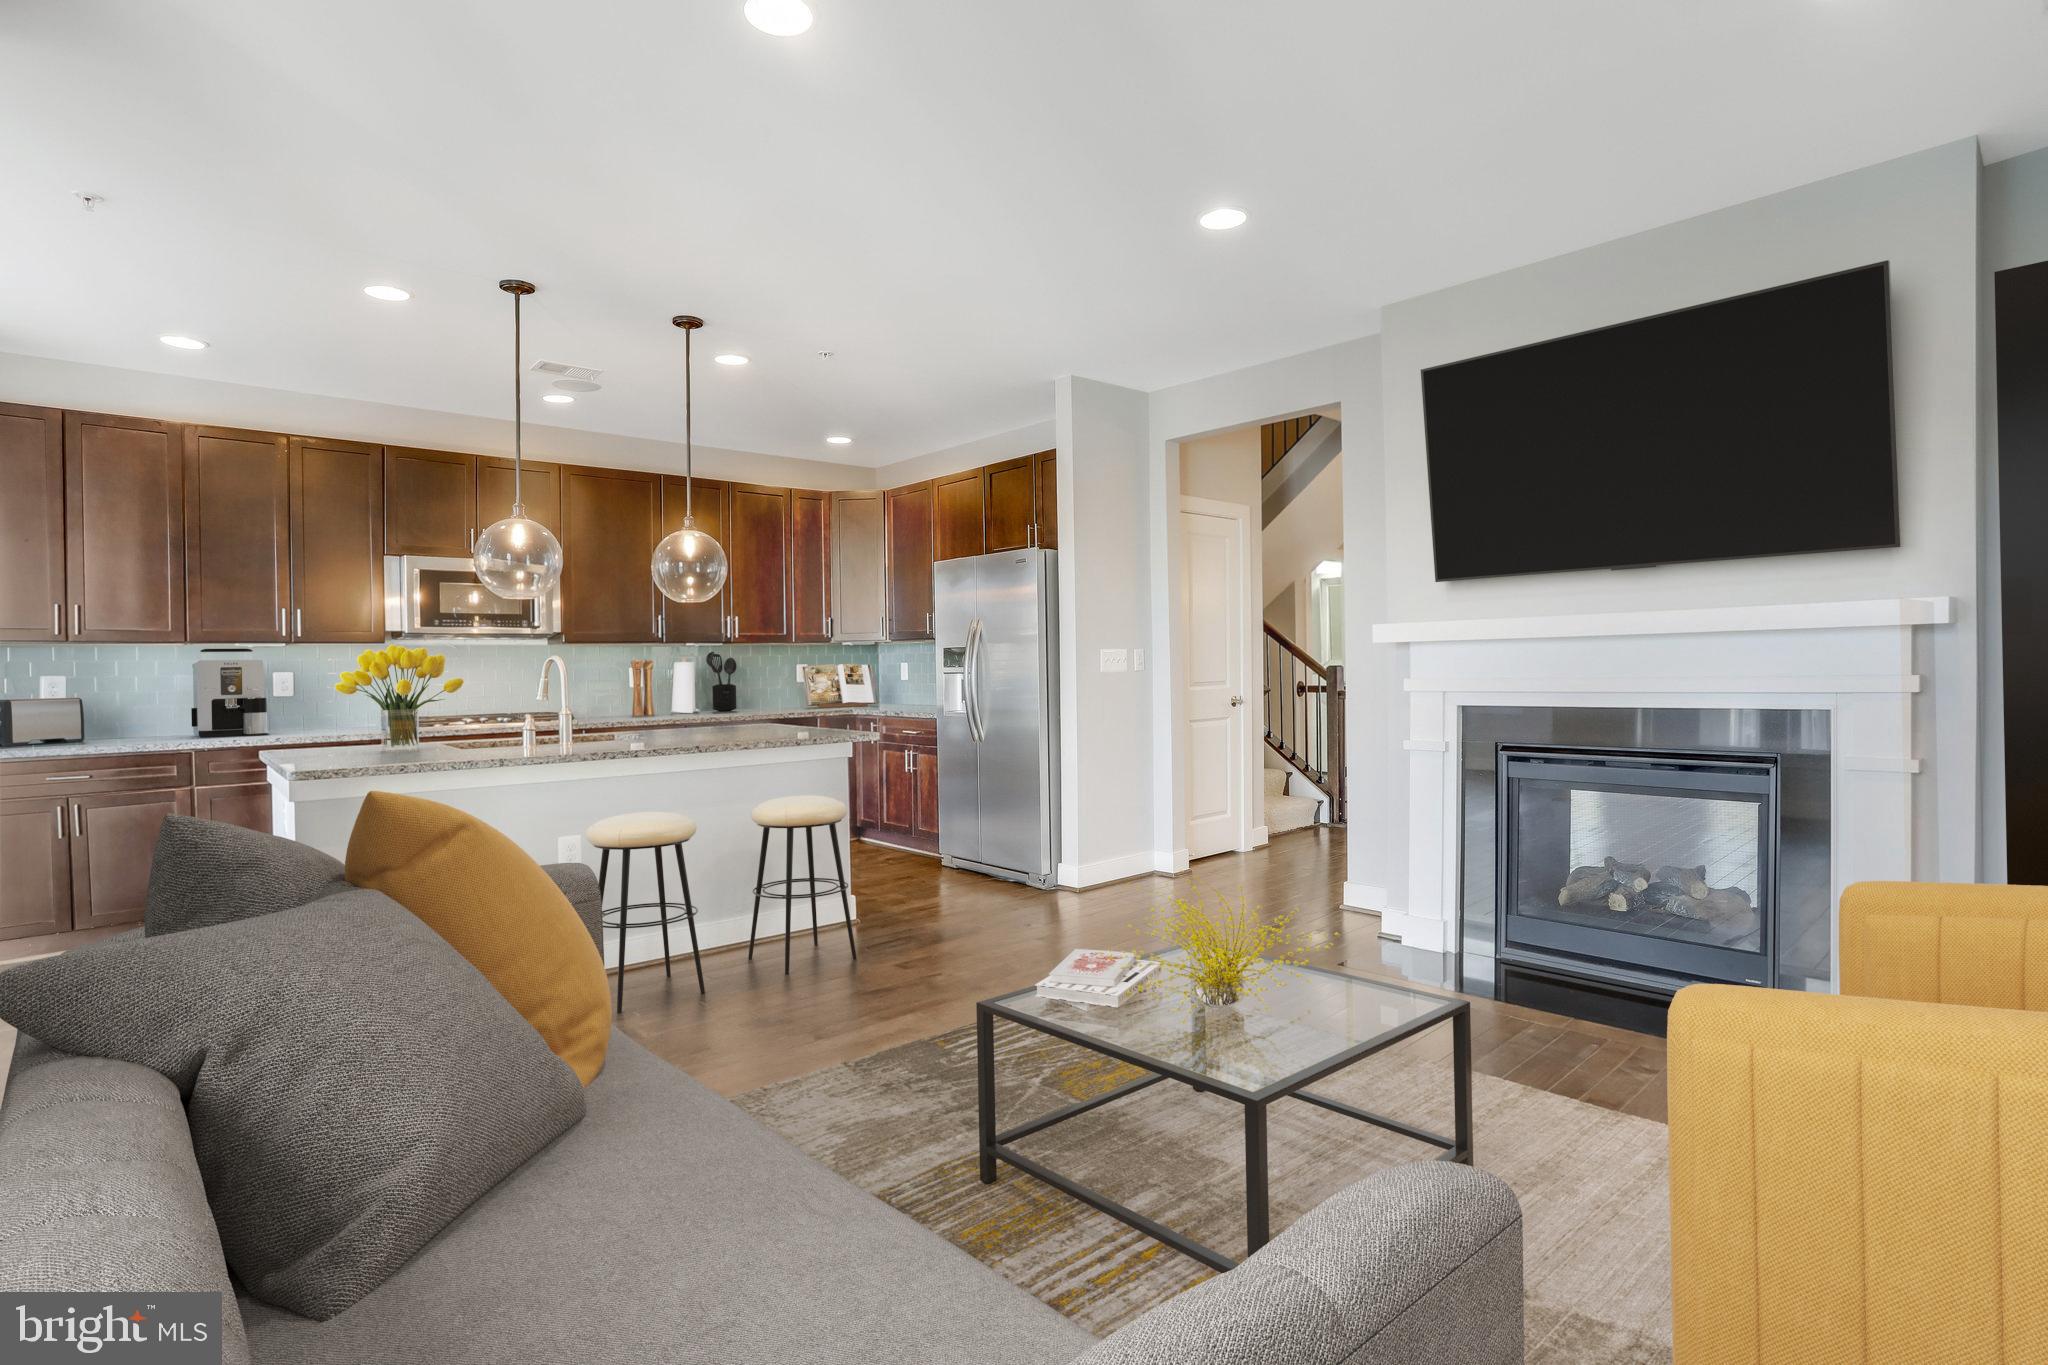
pixel 996 622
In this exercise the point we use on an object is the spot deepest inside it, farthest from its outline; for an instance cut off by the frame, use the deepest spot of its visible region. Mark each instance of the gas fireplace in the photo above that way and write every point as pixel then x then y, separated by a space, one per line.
pixel 1641 867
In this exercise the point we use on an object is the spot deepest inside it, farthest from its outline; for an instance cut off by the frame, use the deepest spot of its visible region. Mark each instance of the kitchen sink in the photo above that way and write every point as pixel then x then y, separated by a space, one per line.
pixel 578 739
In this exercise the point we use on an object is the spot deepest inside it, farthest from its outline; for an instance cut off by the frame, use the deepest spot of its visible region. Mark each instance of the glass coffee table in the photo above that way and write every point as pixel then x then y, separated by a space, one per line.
pixel 1304 1024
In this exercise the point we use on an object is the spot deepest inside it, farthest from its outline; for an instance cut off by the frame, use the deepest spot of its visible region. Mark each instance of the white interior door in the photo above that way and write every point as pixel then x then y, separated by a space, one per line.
pixel 1212 627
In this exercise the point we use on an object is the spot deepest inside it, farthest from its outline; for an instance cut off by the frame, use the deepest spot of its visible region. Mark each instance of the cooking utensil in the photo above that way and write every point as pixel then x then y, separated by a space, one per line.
pixel 732 666
pixel 714 662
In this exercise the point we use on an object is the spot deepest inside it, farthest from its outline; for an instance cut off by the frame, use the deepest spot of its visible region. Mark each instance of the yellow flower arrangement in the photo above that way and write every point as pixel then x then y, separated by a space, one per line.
pixel 397 678
pixel 1227 947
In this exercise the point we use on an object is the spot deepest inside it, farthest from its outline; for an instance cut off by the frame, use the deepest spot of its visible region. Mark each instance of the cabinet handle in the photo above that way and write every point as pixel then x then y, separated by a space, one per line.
pixel 77 822
pixel 77 619
pixel 472 540
pixel 68 777
pixel 60 824
pixel 57 620
pixel 282 628
pixel 298 621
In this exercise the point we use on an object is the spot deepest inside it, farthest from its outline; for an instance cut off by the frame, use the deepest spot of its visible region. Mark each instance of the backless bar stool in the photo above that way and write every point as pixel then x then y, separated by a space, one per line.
pixel 790 814
pixel 654 829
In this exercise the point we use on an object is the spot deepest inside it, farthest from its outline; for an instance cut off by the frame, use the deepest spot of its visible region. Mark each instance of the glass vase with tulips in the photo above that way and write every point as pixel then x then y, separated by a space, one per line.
pixel 400 680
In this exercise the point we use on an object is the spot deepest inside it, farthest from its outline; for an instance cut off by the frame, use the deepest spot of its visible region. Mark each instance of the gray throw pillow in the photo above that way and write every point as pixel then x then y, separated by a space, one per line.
pixel 351 1082
pixel 205 872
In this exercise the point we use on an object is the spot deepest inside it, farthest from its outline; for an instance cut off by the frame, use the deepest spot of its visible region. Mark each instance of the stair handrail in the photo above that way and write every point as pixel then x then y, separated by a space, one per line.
pixel 1310 737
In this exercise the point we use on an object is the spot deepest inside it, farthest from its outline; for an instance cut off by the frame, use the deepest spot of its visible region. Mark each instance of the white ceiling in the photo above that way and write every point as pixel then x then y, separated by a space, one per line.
pixel 961 199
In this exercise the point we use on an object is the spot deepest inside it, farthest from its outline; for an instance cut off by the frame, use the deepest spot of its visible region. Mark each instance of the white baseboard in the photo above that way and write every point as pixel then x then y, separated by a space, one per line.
pixel 1415 931
pixel 1260 837
pixel 1171 863
pixel 1075 876
pixel 1363 896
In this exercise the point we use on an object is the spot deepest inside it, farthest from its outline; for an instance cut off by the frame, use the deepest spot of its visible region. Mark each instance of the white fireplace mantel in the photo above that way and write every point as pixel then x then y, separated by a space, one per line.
pixel 1851 659
pixel 1884 611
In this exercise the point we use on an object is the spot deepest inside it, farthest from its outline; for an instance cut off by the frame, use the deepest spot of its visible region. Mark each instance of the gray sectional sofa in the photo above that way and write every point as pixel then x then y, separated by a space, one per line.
pixel 667 1225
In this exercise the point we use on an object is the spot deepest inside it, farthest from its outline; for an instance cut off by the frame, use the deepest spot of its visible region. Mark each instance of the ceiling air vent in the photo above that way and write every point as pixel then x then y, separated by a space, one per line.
pixel 561 371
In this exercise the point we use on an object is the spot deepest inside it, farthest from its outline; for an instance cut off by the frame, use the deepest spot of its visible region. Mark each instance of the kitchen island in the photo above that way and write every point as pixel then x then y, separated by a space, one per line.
pixel 544 801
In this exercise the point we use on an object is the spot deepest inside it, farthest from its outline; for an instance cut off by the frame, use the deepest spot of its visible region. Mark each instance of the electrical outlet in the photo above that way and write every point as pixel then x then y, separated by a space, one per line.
pixel 903 673
pixel 1115 661
pixel 569 849
pixel 280 684
pixel 51 686
pixel 1137 661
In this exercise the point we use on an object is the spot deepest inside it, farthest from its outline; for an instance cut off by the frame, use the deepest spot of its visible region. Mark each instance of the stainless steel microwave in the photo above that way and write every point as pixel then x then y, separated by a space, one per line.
pixel 430 597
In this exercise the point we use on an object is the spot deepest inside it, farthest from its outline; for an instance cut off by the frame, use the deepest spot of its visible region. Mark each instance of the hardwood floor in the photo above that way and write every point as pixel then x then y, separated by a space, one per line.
pixel 933 941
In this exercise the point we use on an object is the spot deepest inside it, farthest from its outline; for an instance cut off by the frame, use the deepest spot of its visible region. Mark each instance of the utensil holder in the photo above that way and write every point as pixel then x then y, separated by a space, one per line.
pixel 724 696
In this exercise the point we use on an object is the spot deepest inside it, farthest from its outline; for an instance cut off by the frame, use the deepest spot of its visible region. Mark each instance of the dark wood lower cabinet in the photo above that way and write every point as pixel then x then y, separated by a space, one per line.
pixel 907 755
pixel 113 839
pixel 247 805
pixel 35 866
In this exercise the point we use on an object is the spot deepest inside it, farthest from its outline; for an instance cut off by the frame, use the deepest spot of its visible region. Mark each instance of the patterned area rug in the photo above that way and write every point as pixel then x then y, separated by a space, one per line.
pixel 901 1125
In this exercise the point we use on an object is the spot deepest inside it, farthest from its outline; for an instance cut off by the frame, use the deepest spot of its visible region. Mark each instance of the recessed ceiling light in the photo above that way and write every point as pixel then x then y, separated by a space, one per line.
pixel 389 293
pixel 183 343
pixel 1222 220
pixel 779 18
pixel 730 358
pixel 557 398
pixel 838 440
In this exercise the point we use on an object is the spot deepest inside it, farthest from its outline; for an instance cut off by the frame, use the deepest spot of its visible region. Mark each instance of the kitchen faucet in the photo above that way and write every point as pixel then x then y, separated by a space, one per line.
pixel 564 722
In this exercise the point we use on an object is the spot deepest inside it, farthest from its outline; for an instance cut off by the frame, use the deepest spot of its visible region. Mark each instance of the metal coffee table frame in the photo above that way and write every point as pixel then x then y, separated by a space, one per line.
pixel 996 1146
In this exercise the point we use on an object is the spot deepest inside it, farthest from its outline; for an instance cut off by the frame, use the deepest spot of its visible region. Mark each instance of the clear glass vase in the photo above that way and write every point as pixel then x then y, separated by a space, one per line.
pixel 401 729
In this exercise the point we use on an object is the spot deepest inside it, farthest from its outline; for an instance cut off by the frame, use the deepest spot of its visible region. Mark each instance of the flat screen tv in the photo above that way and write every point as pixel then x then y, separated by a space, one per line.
pixel 1758 425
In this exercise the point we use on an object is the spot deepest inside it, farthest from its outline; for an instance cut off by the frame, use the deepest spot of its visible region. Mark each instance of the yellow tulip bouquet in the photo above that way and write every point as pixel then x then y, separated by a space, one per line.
pixel 400 681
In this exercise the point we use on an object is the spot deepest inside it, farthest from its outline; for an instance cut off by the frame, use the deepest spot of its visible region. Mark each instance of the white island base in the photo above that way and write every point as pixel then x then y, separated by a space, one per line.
pixel 714 778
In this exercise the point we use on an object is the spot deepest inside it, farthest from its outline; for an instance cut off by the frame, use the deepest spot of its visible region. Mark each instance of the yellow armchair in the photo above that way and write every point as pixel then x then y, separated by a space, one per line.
pixel 1866 1179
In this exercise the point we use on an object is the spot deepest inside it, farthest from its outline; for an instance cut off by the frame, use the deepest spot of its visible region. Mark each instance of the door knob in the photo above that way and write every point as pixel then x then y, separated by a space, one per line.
pixel 1237 701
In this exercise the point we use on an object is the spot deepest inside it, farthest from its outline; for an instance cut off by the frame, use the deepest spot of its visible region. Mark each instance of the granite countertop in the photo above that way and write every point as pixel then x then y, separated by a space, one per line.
pixel 313 765
pixel 445 727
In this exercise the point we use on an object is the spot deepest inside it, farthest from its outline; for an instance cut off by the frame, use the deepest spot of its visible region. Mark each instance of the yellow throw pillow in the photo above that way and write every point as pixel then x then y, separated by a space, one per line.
pixel 495 906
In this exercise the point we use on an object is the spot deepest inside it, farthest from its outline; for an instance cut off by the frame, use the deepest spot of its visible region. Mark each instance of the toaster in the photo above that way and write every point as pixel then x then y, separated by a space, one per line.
pixel 55 720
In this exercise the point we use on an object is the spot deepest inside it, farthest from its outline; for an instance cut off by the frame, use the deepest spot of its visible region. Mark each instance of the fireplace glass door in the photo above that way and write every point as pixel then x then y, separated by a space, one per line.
pixel 1638 862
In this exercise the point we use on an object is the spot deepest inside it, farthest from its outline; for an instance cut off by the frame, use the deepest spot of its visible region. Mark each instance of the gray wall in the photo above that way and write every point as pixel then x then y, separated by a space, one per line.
pixel 1918 212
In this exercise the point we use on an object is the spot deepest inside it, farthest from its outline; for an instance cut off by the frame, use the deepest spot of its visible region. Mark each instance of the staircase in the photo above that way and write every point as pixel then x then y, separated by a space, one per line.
pixel 1304 724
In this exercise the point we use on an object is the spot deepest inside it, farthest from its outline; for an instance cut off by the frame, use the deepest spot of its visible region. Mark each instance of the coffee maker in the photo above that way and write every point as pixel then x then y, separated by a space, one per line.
pixel 230 693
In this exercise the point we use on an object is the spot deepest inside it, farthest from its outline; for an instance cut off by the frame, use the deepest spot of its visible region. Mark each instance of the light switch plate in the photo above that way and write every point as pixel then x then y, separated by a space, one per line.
pixel 280 684
pixel 1137 661
pixel 569 849
pixel 50 686
pixel 904 672
pixel 1115 661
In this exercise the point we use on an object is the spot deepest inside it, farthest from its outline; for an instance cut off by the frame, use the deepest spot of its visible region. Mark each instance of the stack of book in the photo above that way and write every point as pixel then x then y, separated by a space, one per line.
pixel 1095 976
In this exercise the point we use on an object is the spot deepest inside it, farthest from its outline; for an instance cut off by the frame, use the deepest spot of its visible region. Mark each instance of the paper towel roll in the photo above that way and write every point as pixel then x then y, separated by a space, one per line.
pixel 682 697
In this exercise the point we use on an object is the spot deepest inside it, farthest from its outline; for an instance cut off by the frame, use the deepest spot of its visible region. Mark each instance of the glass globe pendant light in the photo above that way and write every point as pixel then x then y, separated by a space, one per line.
pixel 689 566
pixel 518 557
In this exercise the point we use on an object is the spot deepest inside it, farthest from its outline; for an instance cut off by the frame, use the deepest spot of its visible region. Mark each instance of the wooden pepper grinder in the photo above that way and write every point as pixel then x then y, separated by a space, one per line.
pixel 642 673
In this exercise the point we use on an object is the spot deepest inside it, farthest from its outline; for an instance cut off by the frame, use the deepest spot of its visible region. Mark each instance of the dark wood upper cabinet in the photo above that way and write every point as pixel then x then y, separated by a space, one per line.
pixel 611 519
pixel 957 529
pixel 337 540
pixel 429 502
pixel 696 623
pixel 759 520
pixel 237 535
pixel 907 513
pixel 810 566
pixel 32 596
pixel 1045 504
pixel 1007 487
pixel 124 529
pixel 860 567
pixel 540 485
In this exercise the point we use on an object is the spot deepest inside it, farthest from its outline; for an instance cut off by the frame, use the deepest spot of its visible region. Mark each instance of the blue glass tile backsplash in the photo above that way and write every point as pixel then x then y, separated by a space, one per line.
pixel 140 690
